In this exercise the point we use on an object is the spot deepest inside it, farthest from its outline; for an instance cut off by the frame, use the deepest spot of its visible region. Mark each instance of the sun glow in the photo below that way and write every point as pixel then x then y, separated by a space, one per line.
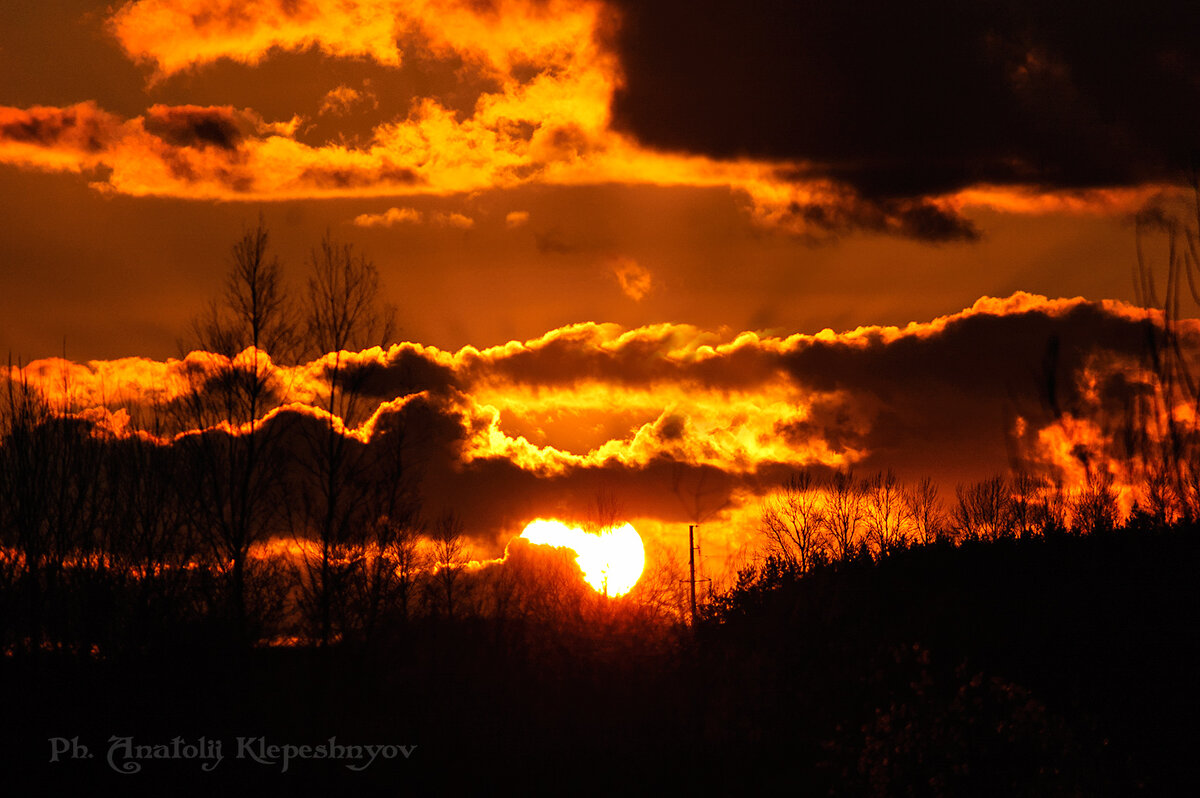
pixel 611 561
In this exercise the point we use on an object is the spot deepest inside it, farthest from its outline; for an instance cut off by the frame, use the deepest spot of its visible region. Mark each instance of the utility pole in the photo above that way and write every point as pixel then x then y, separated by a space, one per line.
pixel 692 568
pixel 693 554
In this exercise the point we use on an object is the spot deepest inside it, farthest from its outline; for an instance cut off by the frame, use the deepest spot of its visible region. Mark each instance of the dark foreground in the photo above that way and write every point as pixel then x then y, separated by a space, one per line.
pixel 1062 666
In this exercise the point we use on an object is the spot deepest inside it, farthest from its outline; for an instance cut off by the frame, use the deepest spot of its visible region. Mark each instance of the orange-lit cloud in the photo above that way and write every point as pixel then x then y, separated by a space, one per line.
pixel 461 221
pixel 394 216
pixel 548 121
pixel 174 35
pixel 57 138
pixel 634 279
pixel 668 412
pixel 391 216
pixel 341 100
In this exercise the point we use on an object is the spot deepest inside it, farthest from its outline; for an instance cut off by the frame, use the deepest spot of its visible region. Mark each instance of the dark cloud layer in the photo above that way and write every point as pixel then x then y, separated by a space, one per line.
pixel 949 401
pixel 941 398
pixel 909 99
pixel 1014 382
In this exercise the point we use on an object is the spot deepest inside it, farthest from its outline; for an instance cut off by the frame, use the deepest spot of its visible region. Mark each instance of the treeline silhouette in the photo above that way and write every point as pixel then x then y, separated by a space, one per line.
pixel 1023 638
pixel 215 520
pixel 1055 664
pixel 226 565
pixel 113 545
pixel 809 522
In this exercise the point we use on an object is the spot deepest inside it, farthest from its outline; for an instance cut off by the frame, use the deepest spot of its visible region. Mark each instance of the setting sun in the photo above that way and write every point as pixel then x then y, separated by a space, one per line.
pixel 611 560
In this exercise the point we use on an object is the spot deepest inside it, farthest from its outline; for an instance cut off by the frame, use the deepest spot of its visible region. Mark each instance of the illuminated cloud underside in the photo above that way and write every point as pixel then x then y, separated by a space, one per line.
pixel 518 425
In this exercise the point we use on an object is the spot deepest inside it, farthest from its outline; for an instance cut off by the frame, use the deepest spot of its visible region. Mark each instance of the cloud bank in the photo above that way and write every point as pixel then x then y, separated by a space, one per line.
pixel 827 120
pixel 653 414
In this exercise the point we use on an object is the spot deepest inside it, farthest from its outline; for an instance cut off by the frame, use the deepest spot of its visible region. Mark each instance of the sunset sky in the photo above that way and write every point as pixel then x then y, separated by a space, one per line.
pixel 670 250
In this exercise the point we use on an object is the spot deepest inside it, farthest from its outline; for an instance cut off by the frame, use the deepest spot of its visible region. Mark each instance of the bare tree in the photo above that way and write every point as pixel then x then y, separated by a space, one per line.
pixel 844 514
pixel 234 457
pixel 391 558
pixel 604 512
pixel 984 509
pixel 602 517
pixel 151 537
pixel 1025 507
pixel 342 314
pixel 449 558
pixel 538 585
pixel 52 472
pixel 253 310
pixel 793 522
pixel 409 562
pixel 1159 497
pixel 1054 508
pixel 1164 440
pixel 925 511
pixel 662 588
pixel 1095 507
pixel 884 512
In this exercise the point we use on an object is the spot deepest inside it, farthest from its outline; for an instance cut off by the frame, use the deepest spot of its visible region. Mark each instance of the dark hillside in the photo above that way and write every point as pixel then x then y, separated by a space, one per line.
pixel 1057 666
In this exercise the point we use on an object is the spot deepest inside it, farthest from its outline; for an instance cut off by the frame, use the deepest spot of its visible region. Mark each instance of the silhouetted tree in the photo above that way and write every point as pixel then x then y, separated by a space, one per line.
pixel 1094 508
pixel 884 512
pixel 1028 512
pixel 234 457
pixel 984 509
pixel 925 512
pixel 1054 508
pixel 1158 498
pixel 390 557
pixel 844 514
pixel 52 473
pixel 602 516
pixel 792 521
pixel 538 584
pixel 342 316
pixel 662 588
pixel 449 559
pixel 1161 427
pixel 253 311
pixel 603 513
pixel 151 538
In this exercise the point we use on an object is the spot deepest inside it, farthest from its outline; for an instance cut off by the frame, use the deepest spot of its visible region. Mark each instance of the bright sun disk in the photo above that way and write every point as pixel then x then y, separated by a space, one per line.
pixel 611 561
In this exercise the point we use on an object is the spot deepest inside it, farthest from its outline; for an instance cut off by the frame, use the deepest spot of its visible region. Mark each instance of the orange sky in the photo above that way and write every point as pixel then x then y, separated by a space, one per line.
pixel 471 149
pixel 676 226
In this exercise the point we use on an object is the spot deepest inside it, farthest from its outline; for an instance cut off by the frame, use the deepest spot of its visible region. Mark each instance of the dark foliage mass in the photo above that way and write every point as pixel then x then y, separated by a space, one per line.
pixel 1049 666
pixel 1055 666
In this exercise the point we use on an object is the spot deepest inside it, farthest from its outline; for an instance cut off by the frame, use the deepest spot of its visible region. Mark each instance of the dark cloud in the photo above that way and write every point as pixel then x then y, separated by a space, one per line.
pixel 910 99
pixel 346 178
pixel 585 352
pixel 947 401
pixel 910 218
pixel 942 398
pixel 83 127
pixel 194 126
pixel 407 371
